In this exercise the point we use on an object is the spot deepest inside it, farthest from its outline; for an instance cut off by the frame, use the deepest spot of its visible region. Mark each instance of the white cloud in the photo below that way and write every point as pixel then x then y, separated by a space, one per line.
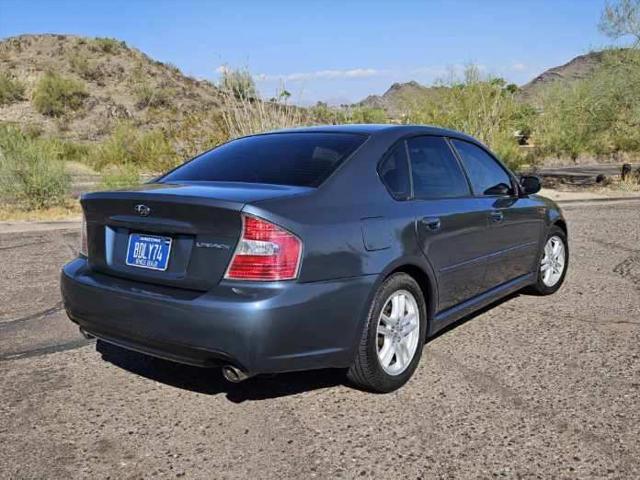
pixel 222 69
pixel 518 67
pixel 322 74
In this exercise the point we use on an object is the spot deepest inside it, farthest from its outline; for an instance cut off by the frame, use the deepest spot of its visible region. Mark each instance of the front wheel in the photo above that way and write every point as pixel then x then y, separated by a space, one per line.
pixel 553 263
pixel 392 340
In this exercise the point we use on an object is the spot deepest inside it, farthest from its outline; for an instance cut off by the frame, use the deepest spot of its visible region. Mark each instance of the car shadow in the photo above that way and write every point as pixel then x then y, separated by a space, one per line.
pixel 209 381
pixel 473 315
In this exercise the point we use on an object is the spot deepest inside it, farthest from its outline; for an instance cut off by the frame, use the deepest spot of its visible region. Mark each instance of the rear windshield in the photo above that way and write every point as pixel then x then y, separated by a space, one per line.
pixel 298 159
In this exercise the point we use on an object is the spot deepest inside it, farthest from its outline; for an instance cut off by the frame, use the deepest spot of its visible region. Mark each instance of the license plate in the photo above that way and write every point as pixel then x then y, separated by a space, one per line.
pixel 148 251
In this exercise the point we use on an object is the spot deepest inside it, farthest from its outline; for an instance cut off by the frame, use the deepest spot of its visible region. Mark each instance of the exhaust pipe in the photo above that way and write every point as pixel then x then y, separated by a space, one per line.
pixel 86 334
pixel 233 374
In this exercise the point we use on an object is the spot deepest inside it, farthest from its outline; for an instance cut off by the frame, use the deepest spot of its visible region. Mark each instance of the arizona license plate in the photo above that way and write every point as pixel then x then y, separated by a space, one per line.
pixel 148 251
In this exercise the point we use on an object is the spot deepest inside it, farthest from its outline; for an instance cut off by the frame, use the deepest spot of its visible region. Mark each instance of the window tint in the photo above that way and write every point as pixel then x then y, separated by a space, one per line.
pixel 436 172
pixel 394 172
pixel 485 174
pixel 299 159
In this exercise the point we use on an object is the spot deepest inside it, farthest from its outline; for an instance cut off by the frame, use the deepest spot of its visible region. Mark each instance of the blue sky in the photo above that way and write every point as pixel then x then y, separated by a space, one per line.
pixel 334 51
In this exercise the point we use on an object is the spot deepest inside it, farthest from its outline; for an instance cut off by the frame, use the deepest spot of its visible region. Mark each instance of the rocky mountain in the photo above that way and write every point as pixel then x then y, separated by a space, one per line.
pixel 118 83
pixel 113 82
pixel 399 97
pixel 578 68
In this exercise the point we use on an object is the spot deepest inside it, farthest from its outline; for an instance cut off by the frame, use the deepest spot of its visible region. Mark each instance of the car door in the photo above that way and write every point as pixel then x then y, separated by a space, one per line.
pixel 450 222
pixel 515 222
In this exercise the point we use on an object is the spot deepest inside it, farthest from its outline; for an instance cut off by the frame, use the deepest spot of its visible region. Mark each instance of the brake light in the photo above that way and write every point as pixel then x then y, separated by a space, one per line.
pixel 265 252
pixel 84 243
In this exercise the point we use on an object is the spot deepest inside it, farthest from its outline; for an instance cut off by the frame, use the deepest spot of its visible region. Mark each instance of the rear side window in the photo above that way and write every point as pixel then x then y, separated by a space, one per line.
pixel 394 173
pixel 303 159
pixel 436 172
pixel 484 172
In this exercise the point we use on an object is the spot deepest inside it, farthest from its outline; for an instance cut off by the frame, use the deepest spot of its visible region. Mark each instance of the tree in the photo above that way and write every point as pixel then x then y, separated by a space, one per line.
pixel 284 95
pixel 620 19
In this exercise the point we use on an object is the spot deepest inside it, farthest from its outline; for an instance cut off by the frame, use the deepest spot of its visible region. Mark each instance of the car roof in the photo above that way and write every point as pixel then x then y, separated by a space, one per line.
pixel 380 130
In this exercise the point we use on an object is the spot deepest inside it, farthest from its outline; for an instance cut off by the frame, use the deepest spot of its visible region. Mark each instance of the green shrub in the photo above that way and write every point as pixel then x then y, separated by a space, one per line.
pixel 55 95
pixel 150 97
pixel 195 133
pixel 108 45
pixel 238 83
pixel 598 115
pixel 173 68
pixel 32 176
pixel 85 68
pixel 11 90
pixel 150 151
pixel 367 115
pixel 72 151
pixel 484 107
pixel 121 176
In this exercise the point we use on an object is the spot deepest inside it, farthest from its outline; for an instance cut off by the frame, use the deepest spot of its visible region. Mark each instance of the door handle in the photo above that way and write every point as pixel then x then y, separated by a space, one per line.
pixel 431 223
pixel 497 216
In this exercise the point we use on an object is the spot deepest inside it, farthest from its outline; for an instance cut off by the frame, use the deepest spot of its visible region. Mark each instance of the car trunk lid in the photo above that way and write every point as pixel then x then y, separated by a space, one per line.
pixel 201 221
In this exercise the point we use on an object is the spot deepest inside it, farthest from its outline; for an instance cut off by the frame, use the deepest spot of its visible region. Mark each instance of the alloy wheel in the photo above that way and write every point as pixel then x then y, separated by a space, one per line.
pixel 398 332
pixel 553 261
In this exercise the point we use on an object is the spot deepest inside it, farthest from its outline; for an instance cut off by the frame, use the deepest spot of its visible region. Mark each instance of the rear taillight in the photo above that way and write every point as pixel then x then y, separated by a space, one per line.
pixel 265 252
pixel 84 245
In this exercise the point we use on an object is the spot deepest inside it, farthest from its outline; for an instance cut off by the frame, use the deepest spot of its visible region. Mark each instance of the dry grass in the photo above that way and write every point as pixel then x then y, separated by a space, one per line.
pixel 630 184
pixel 70 211
pixel 245 116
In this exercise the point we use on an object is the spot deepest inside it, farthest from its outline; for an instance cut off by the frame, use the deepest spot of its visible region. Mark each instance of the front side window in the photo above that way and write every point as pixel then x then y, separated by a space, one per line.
pixel 436 172
pixel 303 159
pixel 486 175
pixel 394 173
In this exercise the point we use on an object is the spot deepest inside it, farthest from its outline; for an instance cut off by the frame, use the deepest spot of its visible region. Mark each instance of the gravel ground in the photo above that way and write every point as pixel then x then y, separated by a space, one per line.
pixel 531 388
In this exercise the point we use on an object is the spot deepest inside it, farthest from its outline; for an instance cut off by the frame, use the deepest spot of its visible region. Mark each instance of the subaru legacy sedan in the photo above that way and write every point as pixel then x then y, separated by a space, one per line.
pixel 340 246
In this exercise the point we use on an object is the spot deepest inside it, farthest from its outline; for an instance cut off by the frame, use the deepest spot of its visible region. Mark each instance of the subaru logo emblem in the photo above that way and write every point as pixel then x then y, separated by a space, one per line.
pixel 142 210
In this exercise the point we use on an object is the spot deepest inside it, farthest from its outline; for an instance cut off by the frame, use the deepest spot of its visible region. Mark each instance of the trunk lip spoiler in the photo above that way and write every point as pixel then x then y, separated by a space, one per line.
pixel 87 198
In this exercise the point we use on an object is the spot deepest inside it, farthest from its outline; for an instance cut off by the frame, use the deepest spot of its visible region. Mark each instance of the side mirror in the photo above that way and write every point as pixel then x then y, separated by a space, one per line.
pixel 530 184
pixel 499 189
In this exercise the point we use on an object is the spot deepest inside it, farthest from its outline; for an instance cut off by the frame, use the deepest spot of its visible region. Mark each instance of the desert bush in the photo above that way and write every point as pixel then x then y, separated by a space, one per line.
pixel 72 151
pixel 324 114
pixel 32 176
pixel 173 68
pixel 246 117
pixel 150 97
pixel 365 115
pixel 239 84
pixel 108 45
pixel 567 122
pixel 481 106
pixel 55 95
pixel 85 68
pixel 119 176
pixel 244 114
pixel 195 133
pixel 597 115
pixel 11 89
pixel 150 150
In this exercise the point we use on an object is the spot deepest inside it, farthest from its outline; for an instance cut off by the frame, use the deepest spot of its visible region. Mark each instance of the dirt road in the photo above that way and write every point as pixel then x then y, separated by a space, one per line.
pixel 532 388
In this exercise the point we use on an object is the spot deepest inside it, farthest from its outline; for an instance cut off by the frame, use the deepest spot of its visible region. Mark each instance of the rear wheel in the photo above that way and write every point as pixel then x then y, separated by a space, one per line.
pixel 553 263
pixel 392 341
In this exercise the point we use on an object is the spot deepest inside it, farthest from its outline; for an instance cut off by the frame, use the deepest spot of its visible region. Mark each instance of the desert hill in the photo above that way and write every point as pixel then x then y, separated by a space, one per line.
pixel 116 83
pixel 400 96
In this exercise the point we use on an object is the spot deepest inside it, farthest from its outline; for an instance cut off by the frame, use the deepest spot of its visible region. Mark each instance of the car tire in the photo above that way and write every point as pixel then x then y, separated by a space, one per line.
pixel 378 367
pixel 547 286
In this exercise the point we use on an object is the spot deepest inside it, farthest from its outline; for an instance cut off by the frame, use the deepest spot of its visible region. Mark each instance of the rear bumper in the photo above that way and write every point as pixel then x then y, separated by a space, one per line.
pixel 261 328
